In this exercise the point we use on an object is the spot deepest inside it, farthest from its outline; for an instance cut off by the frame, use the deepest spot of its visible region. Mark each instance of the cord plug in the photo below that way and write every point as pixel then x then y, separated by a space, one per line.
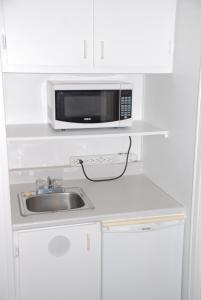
pixel 108 179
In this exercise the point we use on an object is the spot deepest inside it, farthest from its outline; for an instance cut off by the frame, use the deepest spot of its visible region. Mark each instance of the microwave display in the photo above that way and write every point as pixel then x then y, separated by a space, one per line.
pixel 93 106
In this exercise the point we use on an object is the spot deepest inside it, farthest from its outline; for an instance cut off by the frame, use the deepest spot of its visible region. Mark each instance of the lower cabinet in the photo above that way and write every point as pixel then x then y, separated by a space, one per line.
pixel 61 263
pixel 140 261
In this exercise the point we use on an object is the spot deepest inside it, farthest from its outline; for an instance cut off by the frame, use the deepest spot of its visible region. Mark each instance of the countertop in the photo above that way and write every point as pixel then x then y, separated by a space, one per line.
pixel 128 197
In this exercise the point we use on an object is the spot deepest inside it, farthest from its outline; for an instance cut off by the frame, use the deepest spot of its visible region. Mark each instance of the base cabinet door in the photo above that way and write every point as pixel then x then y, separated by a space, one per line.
pixel 58 264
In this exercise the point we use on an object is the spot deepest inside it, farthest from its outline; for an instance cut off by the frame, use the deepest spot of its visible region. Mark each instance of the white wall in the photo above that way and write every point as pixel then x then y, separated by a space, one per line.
pixel 171 102
pixel 195 244
pixel 25 102
pixel 6 246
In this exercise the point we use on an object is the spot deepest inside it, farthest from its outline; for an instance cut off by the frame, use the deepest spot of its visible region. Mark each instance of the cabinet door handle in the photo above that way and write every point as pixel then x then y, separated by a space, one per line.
pixel 3 41
pixel 170 47
pixel 102 49
pixel 88 242
pixel 85 50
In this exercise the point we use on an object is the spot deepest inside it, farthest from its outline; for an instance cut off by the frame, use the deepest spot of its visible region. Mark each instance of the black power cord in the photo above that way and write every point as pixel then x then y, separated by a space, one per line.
pixel 108 179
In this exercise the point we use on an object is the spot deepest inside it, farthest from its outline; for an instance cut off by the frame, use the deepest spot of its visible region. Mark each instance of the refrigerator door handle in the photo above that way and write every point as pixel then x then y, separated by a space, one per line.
pixel 141 227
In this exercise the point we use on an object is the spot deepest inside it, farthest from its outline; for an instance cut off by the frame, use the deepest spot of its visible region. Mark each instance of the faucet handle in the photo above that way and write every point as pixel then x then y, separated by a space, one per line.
pixel 41 185
pixel 57 182
pixel 49 185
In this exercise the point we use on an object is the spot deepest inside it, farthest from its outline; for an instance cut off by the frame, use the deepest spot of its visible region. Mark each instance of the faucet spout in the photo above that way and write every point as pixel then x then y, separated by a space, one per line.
pixel 49 183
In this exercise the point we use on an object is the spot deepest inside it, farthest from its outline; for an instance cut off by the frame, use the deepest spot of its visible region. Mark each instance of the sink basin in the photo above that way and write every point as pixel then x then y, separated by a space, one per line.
pixel 68 200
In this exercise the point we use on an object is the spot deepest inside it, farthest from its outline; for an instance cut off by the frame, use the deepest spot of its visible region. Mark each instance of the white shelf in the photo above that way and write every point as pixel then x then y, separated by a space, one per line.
pixel 44 131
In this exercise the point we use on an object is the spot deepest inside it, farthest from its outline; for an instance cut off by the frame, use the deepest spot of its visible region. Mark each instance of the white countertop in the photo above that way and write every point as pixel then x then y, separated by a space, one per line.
pixel 128 197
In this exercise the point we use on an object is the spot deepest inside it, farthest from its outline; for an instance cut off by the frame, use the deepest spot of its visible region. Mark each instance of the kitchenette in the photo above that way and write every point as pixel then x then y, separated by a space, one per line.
pixel 126 232
pixel 98 154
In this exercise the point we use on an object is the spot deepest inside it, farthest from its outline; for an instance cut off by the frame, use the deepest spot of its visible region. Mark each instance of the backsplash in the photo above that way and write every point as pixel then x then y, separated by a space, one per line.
pixel 100 171
pixel 47 153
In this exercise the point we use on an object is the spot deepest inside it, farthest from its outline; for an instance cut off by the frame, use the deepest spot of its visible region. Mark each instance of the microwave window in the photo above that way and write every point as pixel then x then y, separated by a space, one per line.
pixel 87 106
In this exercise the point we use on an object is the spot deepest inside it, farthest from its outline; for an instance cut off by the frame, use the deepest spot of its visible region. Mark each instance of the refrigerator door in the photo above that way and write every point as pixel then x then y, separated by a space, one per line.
pixel 143 261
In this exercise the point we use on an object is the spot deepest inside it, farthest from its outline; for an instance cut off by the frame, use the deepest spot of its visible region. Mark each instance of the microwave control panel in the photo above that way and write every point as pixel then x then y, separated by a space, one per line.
pixel 125 104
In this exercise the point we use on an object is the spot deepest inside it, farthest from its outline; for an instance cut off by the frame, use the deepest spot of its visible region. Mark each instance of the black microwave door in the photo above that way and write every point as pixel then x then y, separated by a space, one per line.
pixel 87 106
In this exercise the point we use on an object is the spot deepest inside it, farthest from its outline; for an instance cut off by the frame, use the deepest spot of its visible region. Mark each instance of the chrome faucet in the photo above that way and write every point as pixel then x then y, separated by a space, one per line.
pixel 48 186
pixel 49 183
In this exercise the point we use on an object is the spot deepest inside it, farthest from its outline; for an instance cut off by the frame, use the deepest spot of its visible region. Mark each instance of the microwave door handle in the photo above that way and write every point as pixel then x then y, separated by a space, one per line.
pixel 120 104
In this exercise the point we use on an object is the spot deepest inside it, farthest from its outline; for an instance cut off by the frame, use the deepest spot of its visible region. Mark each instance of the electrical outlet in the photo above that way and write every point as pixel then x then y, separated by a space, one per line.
pixel 102 159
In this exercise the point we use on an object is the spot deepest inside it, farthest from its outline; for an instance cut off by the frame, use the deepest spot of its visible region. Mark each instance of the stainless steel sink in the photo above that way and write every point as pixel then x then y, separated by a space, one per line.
pixel 68 200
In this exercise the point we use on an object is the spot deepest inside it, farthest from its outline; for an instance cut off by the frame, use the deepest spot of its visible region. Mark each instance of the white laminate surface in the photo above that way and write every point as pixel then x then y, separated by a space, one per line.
pixel 32 132
pixel 128 197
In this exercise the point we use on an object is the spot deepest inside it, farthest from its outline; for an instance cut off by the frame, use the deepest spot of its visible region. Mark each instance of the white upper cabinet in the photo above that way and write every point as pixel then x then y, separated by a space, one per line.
pixel 47 33
pixel 134 34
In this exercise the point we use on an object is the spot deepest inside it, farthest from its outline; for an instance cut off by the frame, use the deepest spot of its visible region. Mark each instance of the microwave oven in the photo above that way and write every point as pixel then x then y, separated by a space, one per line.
pixel 89 105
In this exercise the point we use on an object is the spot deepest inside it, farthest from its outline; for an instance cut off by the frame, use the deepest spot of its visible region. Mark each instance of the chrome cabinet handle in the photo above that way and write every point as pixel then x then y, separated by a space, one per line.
pixel 85 50
pixel 88 242
pixel 3 41
pixel 102 50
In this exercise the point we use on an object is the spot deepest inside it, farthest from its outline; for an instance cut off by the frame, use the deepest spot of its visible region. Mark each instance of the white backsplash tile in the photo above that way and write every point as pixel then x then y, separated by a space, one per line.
pixel 101 171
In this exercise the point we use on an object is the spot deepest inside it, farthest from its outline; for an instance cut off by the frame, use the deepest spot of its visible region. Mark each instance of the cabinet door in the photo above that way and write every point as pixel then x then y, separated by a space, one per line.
pixel 47 33
pixel 134 34
pixel 59 264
